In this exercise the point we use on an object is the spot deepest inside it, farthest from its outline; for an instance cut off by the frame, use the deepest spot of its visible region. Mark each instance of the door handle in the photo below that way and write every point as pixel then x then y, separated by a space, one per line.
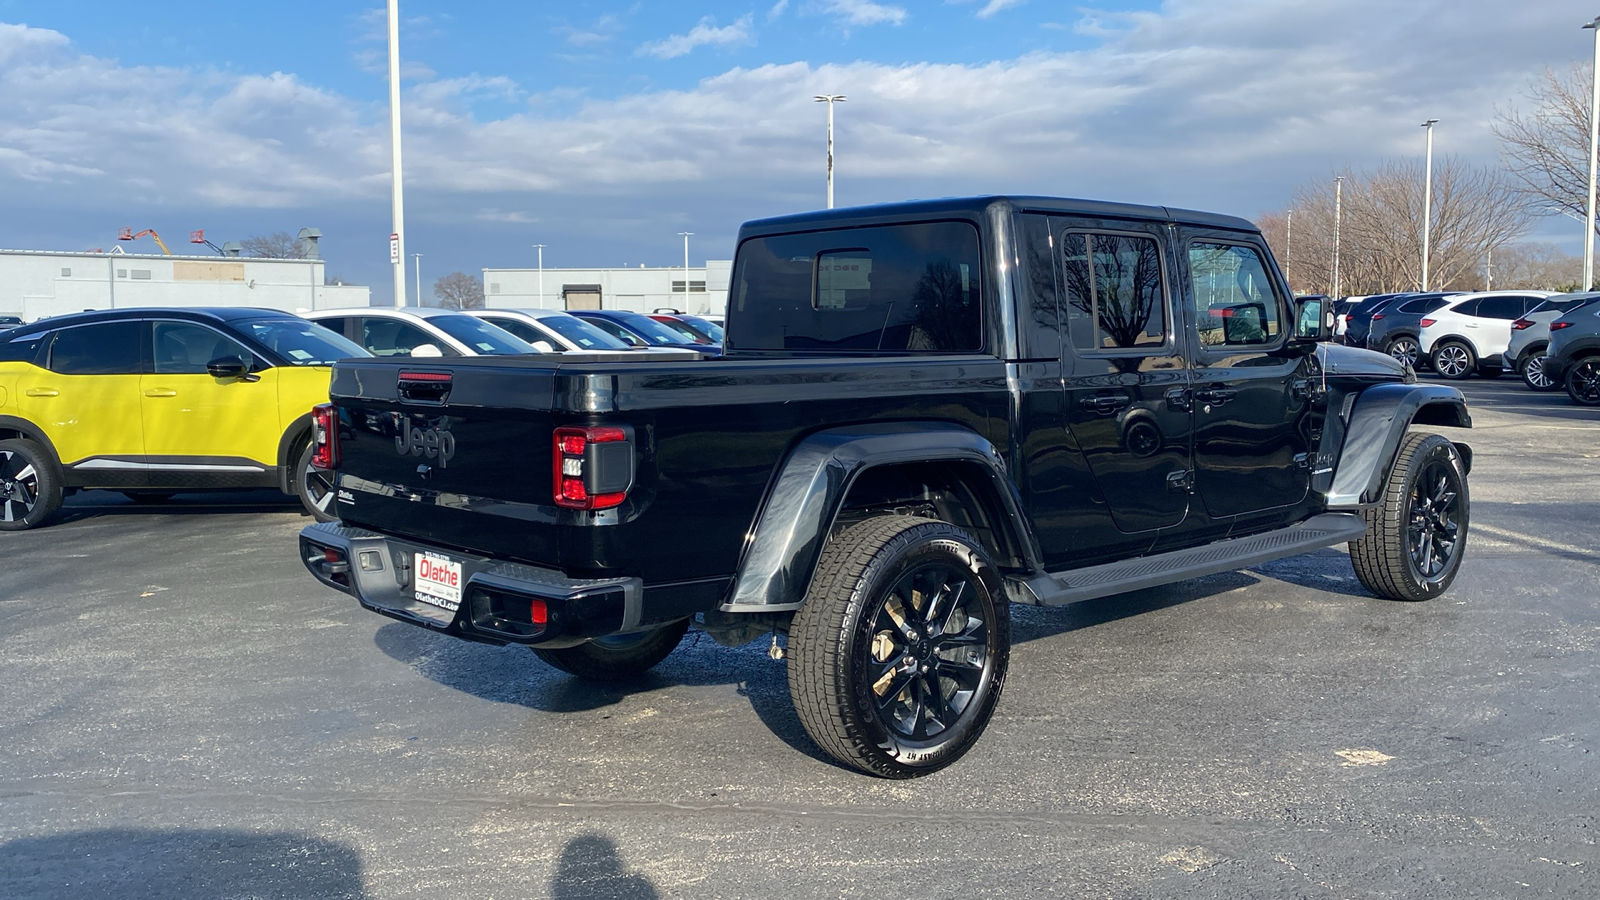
pixel 1179 400
pixel 1106 404
pixel 42 392
pixel 1215 395
pixel 161 392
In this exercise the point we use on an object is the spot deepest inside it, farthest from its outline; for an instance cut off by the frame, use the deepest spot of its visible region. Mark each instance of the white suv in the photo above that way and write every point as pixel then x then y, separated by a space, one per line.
pixel 1471 332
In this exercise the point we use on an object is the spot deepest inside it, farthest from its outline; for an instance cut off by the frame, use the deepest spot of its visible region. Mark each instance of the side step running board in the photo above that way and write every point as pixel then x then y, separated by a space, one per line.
pixel 1059 589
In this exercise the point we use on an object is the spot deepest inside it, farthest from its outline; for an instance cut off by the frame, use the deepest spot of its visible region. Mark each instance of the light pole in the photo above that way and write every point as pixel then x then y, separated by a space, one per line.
pixel 1338 219
pixel 685 235
pixel 1594 140
pixel 1288 249
pixel 418 258
pixel 1427 200
pixel 540 248
pixel 830 99
pixel 397 199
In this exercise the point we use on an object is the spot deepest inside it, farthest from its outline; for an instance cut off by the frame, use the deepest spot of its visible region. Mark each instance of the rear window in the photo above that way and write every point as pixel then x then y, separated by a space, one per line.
pixel 895 289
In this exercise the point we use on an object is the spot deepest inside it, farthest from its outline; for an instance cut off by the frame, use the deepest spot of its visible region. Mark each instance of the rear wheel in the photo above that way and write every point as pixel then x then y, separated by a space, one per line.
pixel 1404 349
pixel 617 657
pixel 1533 374
pixel 1583 381
pixel 1417 533
pixel 1454 360
pixel 30 487
pixel 314 487
pixel 898 656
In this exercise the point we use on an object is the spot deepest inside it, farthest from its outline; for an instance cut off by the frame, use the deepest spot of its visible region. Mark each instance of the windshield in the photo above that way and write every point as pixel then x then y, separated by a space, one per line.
pixel 651 330
pixel 683 328
pixel 705 326
pixel 299 342
pixel 582 333
pixel 480 336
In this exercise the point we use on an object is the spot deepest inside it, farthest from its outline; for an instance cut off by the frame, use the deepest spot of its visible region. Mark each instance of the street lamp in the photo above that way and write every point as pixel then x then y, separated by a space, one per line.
pixel 685 235
pixel 418 258
pixel 830 99
pixel 540 248
pixel 1427 200
pixel 1594 139
pixel 1288 250
pixel 396 187
pixel 1338 218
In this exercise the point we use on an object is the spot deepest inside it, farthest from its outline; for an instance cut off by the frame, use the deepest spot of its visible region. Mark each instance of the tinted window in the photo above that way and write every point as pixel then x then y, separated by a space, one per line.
pixel 898 288
pixel 334 323
pixel 1423 305
pixel 1115 291
pixel 24 350
pixel 111 348
pixel 1529 304
pixel 1500 308
pixel 392 337
pixel 1235 301
pixel 184 348
pixel 300 342
pixel 1467 307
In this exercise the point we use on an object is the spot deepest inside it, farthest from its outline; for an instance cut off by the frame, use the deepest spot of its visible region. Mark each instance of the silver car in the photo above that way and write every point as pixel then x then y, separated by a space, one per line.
pixel 1530 336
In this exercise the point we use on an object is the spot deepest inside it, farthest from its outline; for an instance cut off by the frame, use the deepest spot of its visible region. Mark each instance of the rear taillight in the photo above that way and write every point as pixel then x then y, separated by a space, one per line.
pixel 1520 324
pixel 1426 322
pixel 324 436
pixel 1377 316
pixel 592 466
pixel 1557 326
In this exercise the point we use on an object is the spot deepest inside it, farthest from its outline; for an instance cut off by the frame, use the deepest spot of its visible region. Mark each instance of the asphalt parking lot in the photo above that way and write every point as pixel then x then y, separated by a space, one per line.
pixel 189 715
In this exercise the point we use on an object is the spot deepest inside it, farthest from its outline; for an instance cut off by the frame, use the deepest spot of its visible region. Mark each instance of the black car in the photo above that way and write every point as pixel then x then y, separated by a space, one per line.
pixel 1359 318
pixel 1394 329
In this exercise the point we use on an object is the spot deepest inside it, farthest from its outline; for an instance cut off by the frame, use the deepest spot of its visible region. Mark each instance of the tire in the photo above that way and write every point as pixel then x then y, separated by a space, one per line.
pixel 616 658
pixel 314 489
pixel 1453 360
pixel 1404 349
pixel 149 496
pixel 1533 374
pixel 1417 533
pixel 861 634
pixel 30 485
pixel 1583 381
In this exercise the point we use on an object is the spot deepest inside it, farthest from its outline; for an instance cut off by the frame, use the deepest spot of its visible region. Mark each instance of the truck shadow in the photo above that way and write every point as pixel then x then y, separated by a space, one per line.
pixel 179 864
pixel 591 868
pixel 111 504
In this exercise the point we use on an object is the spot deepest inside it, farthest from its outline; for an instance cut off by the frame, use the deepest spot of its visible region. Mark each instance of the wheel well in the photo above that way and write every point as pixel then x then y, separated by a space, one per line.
pixel 1445 414
pixel 1455 339
pixel 958 492
pixel 295 435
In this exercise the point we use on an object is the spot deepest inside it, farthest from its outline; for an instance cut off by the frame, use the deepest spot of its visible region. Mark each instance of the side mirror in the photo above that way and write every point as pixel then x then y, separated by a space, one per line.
pixel 227 367
pixel 1313 320
pixel 430 351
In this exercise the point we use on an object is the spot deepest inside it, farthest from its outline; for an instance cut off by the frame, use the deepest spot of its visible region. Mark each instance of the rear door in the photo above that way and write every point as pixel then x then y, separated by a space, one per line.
pixel 1251 389
pixel 1490 329
pixel 1126 394
pixel 86 398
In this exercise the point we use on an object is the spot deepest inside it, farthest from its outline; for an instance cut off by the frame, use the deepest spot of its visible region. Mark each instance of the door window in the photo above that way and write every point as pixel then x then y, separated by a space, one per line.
pixel 110 348
pixel 1235 300
pixel 1115 291
pixel 1507 308
pixel 183 348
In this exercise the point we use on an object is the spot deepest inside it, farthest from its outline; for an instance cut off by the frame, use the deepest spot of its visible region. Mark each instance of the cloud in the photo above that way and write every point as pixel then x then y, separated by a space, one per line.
pixel 994 6
pixel 706 33
pixel 604 31
pixel 777 9
pixel 865 12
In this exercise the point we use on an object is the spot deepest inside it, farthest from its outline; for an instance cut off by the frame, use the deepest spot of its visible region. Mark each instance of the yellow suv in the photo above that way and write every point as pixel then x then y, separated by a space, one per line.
pixel 151 402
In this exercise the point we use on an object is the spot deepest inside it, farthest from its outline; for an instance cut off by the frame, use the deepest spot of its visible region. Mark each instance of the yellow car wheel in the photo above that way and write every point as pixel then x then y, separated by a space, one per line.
pixel 30 487
pixel 314 487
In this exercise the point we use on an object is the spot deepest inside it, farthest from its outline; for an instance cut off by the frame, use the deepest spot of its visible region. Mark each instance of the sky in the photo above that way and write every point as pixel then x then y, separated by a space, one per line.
pixel 603 129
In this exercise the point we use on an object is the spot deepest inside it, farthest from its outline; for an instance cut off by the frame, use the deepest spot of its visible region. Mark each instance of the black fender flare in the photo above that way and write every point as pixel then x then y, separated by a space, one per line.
pixel 810 488
pixel 34 433
pixel 1377 424
pixel 287 444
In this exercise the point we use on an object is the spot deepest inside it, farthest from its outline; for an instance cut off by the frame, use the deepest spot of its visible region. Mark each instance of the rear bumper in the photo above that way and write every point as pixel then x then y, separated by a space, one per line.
pixel 496 596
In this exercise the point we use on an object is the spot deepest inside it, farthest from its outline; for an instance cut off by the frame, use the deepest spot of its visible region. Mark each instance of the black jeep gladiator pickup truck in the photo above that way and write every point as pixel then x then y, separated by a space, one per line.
pixel 924 413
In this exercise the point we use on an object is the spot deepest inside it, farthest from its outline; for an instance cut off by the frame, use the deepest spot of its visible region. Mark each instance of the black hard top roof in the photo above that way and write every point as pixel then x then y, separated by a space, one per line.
pixel 979 206
pixel 222 314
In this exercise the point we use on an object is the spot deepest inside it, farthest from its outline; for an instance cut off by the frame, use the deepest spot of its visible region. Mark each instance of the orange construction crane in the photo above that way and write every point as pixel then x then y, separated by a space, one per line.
pixel 126 234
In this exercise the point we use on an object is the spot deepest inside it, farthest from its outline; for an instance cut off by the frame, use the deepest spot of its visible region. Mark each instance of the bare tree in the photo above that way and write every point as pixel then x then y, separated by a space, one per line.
pixel 277 245
pixel 1547 149
pixel 1536 266
pixel 458 290
pixel 1475 211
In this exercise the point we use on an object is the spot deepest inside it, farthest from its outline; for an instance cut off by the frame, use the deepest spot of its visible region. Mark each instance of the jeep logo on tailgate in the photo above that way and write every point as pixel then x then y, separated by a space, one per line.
pixel 434 443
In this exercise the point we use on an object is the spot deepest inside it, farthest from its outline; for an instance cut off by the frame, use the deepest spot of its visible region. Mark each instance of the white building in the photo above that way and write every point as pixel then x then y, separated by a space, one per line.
pixel 39 283
pixel 640 290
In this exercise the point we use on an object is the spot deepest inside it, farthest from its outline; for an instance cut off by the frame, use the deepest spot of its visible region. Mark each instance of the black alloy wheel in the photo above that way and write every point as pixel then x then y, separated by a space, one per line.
pixel 898 657
pixel 1533 374
pixel 1583 381
pixel 315 487
pixel 1454 360
pixel 30 488
pixel 1435 529
pixel 1417 534
pixel 1404 349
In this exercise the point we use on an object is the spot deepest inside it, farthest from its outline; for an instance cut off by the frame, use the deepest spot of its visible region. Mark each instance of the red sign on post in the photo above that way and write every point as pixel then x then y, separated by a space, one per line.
pixel 394 247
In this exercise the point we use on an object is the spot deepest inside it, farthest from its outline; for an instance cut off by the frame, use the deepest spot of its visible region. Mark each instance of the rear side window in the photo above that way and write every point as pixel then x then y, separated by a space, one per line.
pixel 1467 307
pixel 24 350
pixel 1115 291
pixel 110 348
pixel 1501 308
pixel 901 288
pixel 1424 305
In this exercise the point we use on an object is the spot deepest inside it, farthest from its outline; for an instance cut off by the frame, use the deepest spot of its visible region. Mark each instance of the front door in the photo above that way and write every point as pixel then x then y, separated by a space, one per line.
pixel 1252 389
pixel 1126 398
pixel 195 422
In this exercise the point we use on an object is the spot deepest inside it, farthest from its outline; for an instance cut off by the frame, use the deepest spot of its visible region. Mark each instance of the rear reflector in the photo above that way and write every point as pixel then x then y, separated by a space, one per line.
pixel 591 466
pixel 324 436
pixel 1424 323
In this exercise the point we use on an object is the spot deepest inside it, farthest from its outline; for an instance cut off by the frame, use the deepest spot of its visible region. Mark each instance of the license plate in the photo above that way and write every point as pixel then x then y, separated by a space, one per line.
pixel 437 581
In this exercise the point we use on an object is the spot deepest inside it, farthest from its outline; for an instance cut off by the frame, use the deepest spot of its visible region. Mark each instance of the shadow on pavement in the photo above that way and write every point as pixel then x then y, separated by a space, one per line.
pixel 591 868
pixel 112 504
pixel 180 864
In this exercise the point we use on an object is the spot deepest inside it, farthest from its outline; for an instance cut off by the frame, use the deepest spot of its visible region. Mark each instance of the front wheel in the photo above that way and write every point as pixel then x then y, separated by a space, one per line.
pixel 1533 374
pixel 30 488
pixel 1417 533
pixel 617 657
pixel 1404 349
pixel 314 487
pixel 1583 381
pixel 898 656
pixel 1454 360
